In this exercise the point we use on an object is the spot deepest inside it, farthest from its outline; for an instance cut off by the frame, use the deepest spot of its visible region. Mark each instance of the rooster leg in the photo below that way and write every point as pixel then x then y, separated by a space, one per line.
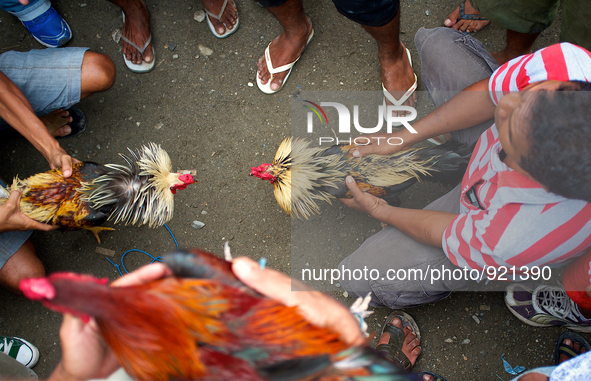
pixel 97 229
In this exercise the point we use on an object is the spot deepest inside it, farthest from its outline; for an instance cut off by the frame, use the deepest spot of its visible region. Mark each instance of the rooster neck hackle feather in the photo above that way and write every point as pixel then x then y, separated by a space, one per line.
pixel 305 175
pixel 139 190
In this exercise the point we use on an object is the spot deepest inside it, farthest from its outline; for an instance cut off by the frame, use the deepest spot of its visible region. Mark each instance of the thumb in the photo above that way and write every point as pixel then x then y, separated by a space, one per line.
pixel 361 151
pixel 66 166
pixel 353 187
pixel 246 269
pixel 14 197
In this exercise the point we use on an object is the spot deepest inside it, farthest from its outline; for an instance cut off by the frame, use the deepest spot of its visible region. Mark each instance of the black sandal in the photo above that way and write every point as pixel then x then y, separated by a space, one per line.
pixel 393 349
pixel 567 350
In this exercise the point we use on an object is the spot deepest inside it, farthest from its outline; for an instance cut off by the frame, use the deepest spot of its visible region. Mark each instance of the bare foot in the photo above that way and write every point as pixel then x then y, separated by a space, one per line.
pixel 397 74
pixel 136 29
pixel 284 49
pixel 411 345
pixel 465 25
pixel 227 19
pixel 59 116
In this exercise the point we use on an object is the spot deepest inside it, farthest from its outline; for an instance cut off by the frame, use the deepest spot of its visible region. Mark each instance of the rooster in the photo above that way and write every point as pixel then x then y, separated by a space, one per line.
pixel 204 324
pixel 141 192
pixel 302 175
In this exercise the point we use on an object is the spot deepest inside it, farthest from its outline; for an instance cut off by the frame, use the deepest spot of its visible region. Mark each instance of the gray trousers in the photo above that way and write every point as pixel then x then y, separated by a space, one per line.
pixel 11 370
pixel 450 62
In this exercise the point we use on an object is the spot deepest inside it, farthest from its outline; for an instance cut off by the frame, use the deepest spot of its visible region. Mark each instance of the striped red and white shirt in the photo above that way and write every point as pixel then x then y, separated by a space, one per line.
pixel 516 222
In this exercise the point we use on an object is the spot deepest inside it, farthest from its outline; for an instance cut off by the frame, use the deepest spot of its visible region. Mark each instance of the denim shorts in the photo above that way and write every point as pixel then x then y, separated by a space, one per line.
pixel 10 242
pixel 49 78
pixel 374 13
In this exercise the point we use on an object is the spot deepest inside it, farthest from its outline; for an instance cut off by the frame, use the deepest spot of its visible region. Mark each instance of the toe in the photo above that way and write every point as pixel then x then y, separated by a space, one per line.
pixel 63 131
pixel 149 54
pixel 276 84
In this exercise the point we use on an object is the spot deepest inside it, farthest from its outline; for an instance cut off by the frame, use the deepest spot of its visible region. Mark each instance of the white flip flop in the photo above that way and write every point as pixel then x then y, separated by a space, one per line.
pixel 266 88
pixel 404 98
pixel 144 67
pixel 218 17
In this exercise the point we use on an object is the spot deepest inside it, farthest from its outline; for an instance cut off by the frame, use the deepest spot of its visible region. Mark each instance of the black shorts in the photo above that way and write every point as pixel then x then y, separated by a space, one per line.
pixel 371 13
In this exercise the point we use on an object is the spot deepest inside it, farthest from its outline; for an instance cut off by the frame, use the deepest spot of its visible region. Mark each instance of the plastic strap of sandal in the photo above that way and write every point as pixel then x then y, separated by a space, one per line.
pixel 399 102
pixel 275 70
pixel 567 350
pixel 464 16
pixel 218 17
pixel 137 47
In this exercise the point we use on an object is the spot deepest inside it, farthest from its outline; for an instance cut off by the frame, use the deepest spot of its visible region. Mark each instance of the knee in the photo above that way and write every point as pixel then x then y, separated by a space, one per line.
pixel 433 41
pixel 22 265
pixel 98 72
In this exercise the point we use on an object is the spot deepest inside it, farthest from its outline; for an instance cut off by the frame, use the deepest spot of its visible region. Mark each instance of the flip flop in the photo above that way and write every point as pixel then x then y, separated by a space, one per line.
pixel 404 98
pixel 144 67
pixel 465 16
pixel 266 88
pixel 393 349
pixel 77 125
pixel 435 376
pixel 218 17
pixel 569 351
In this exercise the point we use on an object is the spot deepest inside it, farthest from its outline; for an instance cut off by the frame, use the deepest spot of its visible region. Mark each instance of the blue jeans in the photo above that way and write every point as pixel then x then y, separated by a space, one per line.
pixel 28 12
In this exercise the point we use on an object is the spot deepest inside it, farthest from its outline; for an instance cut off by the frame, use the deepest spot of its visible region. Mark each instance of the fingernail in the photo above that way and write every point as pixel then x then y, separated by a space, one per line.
pixel 349 179
pixel 356 153
pixel 447 22
pixel 242 268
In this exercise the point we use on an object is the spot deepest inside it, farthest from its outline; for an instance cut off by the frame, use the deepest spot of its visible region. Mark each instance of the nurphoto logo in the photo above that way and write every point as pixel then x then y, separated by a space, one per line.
pixel 390 114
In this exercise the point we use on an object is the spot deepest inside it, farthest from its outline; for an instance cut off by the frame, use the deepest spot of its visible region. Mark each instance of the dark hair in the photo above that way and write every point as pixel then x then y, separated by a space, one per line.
pixel 559 141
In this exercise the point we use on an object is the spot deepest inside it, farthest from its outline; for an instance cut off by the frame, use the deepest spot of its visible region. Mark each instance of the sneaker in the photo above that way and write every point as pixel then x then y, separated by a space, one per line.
pixel 50 29
pixel 20 350
pixel 544 306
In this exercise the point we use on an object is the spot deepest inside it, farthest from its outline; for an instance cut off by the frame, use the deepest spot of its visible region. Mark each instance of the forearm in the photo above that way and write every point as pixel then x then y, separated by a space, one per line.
pixel 425 226
pixel 18 113
pixel 468 108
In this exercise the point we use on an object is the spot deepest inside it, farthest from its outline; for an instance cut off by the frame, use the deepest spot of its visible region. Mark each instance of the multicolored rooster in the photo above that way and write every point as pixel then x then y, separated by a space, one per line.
pixel 303 175
pixel 204 324
pixel 141 192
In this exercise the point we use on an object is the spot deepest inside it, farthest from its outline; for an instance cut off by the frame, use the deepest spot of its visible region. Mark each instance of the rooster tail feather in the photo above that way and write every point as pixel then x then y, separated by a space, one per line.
pixel 137 191
pixel 303 368
pixel 450 162
pixel 365 363
pixel 201 265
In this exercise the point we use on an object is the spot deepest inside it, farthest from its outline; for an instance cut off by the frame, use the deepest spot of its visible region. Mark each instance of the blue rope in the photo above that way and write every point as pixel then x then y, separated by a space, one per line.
pixel 154 259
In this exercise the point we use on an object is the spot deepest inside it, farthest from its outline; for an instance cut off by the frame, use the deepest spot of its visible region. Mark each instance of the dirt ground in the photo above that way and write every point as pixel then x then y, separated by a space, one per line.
pixel 202 110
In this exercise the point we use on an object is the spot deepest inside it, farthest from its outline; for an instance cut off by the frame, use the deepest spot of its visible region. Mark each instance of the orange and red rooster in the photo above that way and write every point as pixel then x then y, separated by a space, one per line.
pixel 141 192
pixel 204 324
pixel 303 175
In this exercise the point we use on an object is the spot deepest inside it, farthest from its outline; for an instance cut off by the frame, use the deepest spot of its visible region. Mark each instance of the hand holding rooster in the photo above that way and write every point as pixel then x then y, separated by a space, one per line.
pixel 361 201
pixel 86 355
pixel 12 219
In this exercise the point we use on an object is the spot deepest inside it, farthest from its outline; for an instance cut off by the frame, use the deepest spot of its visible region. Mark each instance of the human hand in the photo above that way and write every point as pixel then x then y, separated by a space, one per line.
pixel 316 307
pixel 12 219
pixel 85 354
pixel 59 158
pixel 380 143
pixel 361 201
